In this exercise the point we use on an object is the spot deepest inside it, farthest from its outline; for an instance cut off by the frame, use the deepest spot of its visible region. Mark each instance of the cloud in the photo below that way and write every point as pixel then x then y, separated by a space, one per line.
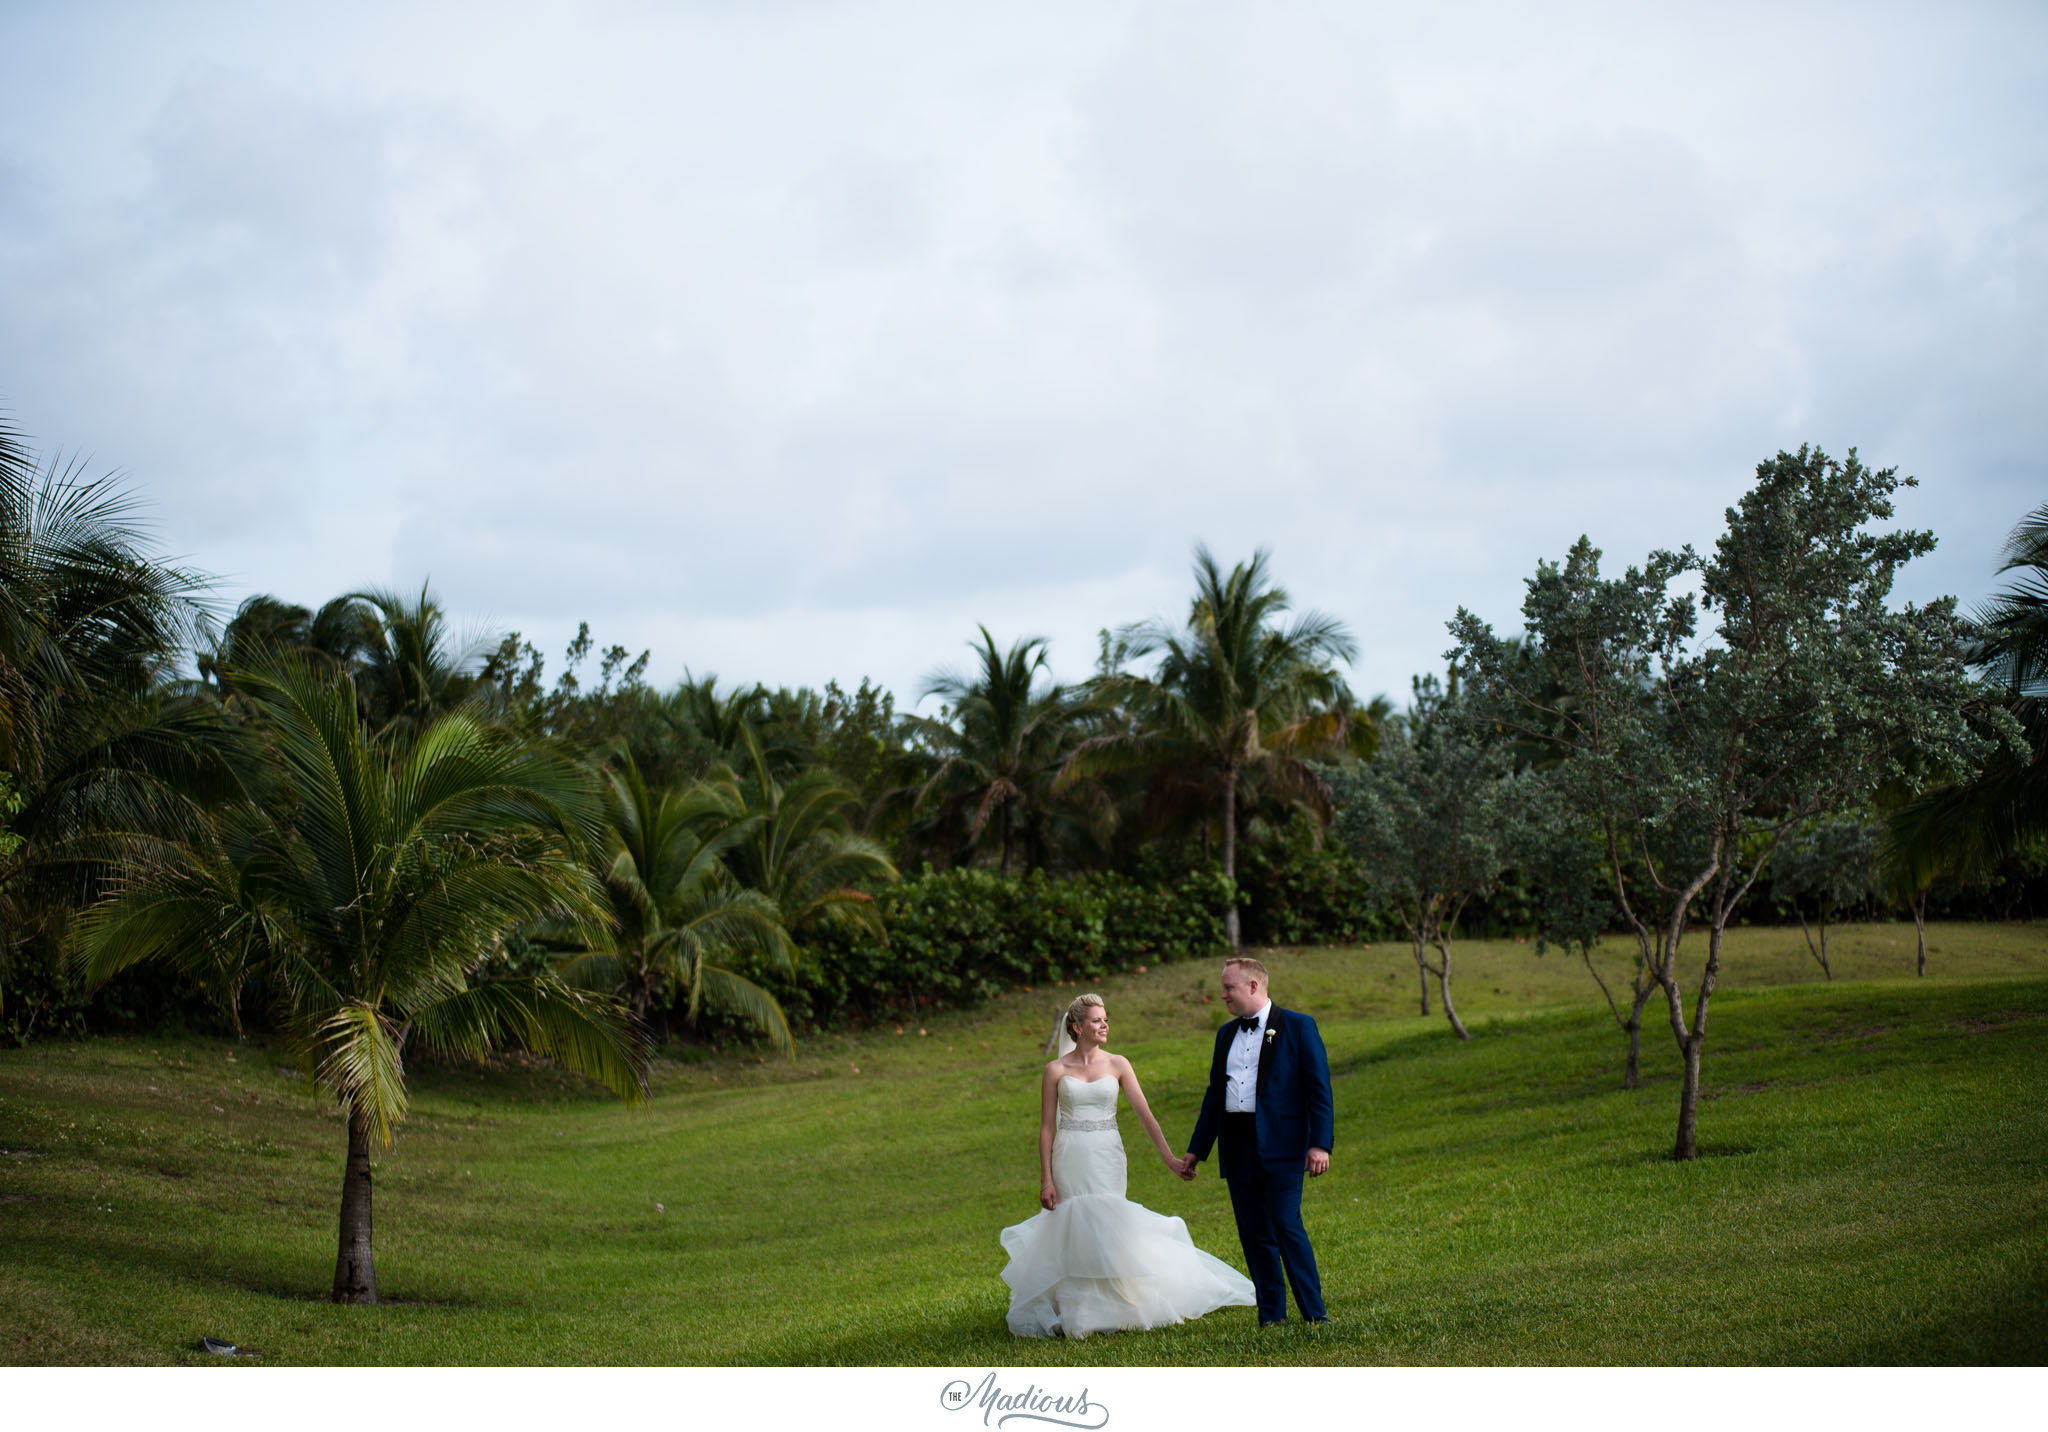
pixel 795 340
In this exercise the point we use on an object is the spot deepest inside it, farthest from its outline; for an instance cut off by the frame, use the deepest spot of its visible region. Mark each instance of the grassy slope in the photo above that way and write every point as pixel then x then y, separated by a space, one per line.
pixel 1874 1187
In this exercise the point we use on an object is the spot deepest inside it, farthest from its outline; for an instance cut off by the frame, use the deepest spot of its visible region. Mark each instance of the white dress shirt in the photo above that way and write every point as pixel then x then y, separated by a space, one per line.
pixel 1241 1066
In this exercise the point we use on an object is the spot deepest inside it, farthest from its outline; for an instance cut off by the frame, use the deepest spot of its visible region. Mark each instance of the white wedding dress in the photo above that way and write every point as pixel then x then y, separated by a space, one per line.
pixel 1098 1262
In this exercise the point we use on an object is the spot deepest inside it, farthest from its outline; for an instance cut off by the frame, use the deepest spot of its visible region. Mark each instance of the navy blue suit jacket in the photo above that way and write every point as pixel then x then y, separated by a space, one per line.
pixel 1295 1112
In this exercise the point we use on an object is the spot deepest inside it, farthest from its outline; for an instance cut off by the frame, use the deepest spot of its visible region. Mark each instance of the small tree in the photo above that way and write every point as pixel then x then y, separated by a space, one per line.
pixel 1906 874
pixel 1579 698
pixel 368 889
pixel 1428 818
pixel 1833 863
pixel 1561 855
pixel 1813 694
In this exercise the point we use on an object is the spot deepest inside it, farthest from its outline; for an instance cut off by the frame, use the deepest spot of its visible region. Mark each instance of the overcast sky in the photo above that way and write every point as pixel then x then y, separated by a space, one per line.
pixel 791 340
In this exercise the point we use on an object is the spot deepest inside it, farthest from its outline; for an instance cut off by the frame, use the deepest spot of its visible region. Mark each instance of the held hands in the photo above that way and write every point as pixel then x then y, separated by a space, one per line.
pixel 1318 1162
pixel 1184 1166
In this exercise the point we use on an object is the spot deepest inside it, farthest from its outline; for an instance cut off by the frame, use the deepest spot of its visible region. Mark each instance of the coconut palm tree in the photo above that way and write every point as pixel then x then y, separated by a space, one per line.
pixel 1967 829
pixel 2013 629
pixel 1001 736
pixel 344 631
pixel 1233 694
pixel 412 669
pixel 368 891
pixel 93 732
pixel 799 848
pixel 85 614
pixel 777 720
pixel 676 911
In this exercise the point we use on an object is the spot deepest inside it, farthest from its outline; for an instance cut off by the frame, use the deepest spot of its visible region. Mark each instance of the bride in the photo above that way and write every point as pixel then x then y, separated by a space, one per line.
pixel 1092 1261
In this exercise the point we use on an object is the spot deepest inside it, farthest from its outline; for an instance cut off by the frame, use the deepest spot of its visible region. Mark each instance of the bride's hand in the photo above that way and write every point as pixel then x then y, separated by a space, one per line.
pixel 1048 1198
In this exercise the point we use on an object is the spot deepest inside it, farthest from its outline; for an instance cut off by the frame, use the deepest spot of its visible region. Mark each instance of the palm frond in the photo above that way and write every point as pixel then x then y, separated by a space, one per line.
pixel 454 915
pixel 591 969
pixel 589 1033
pixel 737 995
pixel 356 1057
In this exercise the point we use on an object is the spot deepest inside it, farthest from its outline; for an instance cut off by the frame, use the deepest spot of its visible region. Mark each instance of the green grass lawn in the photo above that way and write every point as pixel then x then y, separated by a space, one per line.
pixel 1874 1186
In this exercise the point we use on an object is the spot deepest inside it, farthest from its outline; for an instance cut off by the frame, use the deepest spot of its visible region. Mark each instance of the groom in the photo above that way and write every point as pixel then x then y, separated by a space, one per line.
pixel 1269 1102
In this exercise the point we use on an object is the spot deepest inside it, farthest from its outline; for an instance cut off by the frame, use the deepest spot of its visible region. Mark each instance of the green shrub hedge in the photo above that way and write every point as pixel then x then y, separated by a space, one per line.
pixel 957 937
pixel 1298 891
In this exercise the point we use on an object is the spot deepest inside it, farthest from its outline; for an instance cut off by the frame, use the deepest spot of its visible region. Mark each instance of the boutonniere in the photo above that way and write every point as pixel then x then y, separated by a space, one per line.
pixel 1270 1032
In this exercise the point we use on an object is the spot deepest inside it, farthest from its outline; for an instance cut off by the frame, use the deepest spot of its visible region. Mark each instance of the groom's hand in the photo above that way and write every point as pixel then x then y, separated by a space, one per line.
pixel 1318 1162
pixel 1187 1167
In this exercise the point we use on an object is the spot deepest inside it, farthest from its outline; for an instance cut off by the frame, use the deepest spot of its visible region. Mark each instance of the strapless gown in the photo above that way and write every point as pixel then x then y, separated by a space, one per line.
pixel 1099 1262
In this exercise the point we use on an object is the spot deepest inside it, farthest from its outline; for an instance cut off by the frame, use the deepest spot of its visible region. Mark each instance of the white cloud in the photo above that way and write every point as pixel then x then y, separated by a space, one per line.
pixel 793 340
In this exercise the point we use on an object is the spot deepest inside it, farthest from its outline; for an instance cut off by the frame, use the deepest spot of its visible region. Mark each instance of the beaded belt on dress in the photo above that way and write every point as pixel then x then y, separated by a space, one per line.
pixel 1087 1126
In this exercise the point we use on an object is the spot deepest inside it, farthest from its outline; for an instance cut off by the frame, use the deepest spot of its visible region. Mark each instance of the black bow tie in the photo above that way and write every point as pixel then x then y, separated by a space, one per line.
pixel 1246 1023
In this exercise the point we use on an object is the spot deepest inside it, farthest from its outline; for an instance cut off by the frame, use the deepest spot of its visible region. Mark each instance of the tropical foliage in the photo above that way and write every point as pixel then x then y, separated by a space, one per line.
pixel 95 731
pixel 1235 699
pixel 674 907
pixel 797 846
pixel 364 889
pixel 995 750
pixel 1973 829
pixel 721 860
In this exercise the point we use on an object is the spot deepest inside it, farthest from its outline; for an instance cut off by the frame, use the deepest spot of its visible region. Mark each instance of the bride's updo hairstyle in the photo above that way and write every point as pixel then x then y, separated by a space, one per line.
pixel 1078 1011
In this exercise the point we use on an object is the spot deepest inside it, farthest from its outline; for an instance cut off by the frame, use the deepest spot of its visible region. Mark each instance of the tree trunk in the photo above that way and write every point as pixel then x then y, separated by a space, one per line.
pixel 1820 953
pixel 1422 973
pixel 1688 1145
pixel 1443 979
pixel 1824 967
pixel 1631 1074
pixel 355 1270
pixel 1920 929
pixel 1006 841
pixel 1230 922
pixel 1692 1041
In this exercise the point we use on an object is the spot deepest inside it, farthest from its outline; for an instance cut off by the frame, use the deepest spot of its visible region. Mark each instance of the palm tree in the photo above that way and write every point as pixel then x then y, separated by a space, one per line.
pixel 775 720
pixel 92 730
pixel 368 892
pixel 1968 829
pixel 412 670
pixel 799 848
pixel 84 614
pixel 1002 736
pixel 676 911
pixel 344 631
pixel 2013 646
pixel 719 719
pixel 1233 695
